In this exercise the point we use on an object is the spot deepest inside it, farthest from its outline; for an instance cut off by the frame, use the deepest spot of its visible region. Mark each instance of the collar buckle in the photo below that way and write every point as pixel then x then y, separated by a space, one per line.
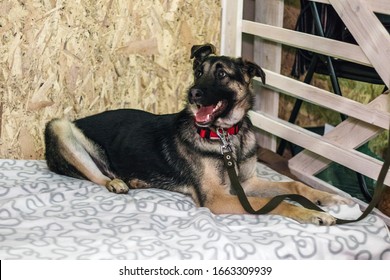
pixel 225 139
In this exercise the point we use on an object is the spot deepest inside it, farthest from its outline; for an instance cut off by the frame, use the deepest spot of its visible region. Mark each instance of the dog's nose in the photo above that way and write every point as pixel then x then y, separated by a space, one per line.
pixel 195 94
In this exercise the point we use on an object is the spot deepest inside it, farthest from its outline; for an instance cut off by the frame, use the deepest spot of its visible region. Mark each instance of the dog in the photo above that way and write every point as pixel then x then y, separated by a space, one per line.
pixel 133 149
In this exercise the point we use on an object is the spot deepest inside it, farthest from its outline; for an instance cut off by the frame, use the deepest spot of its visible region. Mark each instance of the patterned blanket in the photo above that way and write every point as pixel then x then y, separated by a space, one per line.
pixel 47 216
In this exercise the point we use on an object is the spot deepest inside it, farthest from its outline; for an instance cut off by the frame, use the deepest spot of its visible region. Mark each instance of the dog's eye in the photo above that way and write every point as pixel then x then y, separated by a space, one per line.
pixel 198 73
pixel 221 74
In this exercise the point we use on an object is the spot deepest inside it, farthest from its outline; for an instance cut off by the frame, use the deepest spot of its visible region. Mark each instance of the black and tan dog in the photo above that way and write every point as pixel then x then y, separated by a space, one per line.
pixel 180 152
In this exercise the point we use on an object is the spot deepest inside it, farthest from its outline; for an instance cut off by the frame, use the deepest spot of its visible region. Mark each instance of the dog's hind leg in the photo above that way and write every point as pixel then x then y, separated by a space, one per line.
pixel 70 152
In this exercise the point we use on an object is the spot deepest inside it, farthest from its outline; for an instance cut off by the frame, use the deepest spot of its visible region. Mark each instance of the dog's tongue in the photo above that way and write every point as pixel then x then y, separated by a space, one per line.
pixel 204 114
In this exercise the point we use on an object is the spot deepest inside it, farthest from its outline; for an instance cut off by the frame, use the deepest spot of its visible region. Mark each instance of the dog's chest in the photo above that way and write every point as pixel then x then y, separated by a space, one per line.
pixel 214 176
pixel 214 172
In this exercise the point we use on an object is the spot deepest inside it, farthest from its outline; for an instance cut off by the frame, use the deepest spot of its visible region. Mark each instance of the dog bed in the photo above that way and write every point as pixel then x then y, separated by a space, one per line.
pixel 47 216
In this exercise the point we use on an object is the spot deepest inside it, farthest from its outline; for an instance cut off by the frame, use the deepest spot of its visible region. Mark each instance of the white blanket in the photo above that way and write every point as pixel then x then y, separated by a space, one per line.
pixel 47 216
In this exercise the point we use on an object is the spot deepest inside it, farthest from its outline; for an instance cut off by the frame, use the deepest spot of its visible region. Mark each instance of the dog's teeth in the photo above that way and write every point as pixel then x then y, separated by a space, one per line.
pixel 217 106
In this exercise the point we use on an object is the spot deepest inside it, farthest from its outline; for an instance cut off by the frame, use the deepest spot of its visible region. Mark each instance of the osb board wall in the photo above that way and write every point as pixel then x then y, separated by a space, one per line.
pixel 74 58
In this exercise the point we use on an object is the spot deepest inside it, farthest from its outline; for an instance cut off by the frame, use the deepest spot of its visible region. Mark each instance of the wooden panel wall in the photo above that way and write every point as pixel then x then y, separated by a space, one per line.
pixel 76 58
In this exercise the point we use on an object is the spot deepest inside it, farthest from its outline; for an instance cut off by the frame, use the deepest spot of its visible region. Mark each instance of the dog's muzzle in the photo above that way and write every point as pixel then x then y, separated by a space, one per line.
pixel 195 95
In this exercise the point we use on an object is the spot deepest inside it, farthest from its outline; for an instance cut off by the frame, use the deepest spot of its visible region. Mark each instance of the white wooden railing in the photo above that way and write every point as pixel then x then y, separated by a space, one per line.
pixel 365 120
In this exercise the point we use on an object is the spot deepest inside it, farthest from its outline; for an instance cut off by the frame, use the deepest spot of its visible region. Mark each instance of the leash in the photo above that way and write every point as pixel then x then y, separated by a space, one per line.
pixel 227 153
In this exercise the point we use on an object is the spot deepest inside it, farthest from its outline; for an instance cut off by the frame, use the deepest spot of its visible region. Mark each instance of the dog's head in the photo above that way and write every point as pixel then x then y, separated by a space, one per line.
pixel 221 94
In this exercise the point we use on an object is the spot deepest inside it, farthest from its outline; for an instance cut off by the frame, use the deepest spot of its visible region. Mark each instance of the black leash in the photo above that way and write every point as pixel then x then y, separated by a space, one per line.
pixel 227 153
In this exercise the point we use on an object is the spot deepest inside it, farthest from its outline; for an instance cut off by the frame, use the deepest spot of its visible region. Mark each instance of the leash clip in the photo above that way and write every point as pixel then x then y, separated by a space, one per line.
pixel 225 139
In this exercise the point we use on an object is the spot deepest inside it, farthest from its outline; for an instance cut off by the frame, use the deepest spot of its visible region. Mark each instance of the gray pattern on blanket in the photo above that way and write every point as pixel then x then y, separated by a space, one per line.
pixel 47 216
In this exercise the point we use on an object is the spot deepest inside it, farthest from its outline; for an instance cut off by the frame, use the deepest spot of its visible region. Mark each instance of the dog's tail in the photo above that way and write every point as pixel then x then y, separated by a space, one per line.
pixel 69 152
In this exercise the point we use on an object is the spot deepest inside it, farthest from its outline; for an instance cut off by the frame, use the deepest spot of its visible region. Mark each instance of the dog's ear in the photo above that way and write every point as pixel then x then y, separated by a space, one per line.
pixel 254 70
pixel 199 52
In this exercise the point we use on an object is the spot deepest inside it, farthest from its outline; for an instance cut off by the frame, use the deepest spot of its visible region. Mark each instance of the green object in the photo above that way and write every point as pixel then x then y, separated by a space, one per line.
pixel 346 179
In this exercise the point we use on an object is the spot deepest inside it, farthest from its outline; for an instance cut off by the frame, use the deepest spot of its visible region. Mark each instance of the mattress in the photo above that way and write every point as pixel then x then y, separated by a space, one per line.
pixel 47 216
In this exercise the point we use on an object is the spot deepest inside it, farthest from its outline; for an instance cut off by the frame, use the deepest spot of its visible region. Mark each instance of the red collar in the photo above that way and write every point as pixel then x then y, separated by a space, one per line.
pixel 207 133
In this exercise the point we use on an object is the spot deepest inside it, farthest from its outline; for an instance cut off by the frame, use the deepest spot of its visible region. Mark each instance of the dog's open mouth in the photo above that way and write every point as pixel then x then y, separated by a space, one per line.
pixel 207 114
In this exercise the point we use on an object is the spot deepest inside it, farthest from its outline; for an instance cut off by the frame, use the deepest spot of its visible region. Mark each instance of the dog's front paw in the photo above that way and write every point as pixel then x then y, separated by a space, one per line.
pixel 323 219
pixel 117 186
pixel 316 218
pixel 332 199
